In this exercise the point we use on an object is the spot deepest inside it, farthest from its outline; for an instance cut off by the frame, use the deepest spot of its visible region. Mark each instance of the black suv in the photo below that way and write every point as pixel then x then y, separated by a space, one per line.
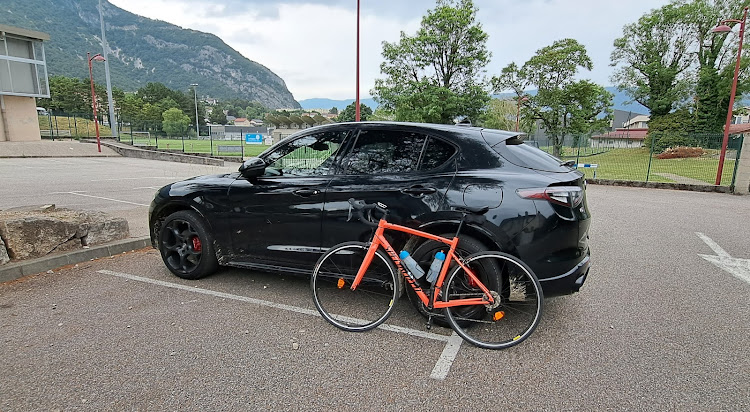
pixel 282 210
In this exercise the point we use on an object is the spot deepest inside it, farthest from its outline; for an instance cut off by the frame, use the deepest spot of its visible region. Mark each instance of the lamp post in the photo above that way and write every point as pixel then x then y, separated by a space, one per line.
pixel 723 28
pixel 518 110
pixel 356 104
pixel 195 92
pixel 98 57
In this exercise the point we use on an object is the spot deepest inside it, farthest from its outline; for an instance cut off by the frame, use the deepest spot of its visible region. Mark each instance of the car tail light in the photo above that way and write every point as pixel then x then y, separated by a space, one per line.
pixel 569 196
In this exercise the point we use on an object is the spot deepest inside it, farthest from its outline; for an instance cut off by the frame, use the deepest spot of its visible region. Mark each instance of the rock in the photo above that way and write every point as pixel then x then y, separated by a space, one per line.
pixel 4 258
pixel 34 232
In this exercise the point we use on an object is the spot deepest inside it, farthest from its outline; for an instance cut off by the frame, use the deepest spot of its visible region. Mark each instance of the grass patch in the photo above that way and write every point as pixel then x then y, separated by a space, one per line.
pixel 76 127
pixel 632 164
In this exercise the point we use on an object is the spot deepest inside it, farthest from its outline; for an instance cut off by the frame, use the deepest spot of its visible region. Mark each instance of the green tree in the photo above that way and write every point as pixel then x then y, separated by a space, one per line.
pixel 716 59
pixel 500 114
pixel 654 56
pixel 334 110
pixel 563 105
pixel 436 75
pixel 175 122
pixel 217 116
pixel 131 108
pixel 348 114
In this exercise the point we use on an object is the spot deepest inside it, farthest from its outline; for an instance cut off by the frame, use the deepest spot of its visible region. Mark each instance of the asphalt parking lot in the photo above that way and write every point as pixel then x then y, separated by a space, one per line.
pixel 661 323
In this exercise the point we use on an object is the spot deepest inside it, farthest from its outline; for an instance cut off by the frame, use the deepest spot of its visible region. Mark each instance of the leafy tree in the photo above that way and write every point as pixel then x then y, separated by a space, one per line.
pixel 563 105
pixel 716 59
pixel 436 75
pixel 334 110
pixel 217 116
pixel 348 114
pixel 131 107
pixel 500 114
pixel 175 122
pixel 654 55
pixel 155 92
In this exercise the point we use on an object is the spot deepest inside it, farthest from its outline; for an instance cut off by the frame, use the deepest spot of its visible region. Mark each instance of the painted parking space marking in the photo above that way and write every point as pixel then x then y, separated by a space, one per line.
pixel 739 268
pixel 79 193
pixel 439 372
pixel 136 178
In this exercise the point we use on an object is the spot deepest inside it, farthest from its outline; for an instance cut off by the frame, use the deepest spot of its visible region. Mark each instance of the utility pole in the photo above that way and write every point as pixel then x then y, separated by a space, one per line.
pixel 112 120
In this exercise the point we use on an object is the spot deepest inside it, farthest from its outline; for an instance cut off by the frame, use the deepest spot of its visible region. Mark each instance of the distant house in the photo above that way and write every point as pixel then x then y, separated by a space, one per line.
pixel 620 138
pixel 23 78
pixel 637 122
pixel 242 121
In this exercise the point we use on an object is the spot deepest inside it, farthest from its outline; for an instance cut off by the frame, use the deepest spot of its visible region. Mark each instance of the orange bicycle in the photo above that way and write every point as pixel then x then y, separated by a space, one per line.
pixel 491 299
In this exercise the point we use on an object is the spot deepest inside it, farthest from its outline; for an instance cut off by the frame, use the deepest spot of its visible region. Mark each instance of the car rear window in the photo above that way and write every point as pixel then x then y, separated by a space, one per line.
pixel 519 153
pixel 436 153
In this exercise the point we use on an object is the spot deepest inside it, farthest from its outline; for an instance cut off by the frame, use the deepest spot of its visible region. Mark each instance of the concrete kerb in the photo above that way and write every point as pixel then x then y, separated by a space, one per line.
pixel 659 185
pixel 16 270
pixel 126 150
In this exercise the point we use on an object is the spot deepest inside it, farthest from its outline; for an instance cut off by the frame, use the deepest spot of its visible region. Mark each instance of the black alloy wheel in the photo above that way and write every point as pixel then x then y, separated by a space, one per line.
pixel 186 247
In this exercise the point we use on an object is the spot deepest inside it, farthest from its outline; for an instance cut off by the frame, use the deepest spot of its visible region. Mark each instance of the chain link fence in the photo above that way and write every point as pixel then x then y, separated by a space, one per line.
pixel 667 158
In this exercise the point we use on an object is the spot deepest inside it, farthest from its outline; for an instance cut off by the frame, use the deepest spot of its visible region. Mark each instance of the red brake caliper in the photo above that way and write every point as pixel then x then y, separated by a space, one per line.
pixel 197 244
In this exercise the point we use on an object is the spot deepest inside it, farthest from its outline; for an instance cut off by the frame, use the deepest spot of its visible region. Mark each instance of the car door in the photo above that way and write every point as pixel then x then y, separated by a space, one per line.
pixel 276 218
pixel 407 170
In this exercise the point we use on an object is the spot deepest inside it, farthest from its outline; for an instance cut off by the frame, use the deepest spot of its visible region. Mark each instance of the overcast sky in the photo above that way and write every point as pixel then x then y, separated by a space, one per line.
pixel 311 43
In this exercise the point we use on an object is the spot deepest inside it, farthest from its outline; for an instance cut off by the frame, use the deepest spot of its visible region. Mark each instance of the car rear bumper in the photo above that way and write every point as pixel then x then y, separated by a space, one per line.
pixel 568 282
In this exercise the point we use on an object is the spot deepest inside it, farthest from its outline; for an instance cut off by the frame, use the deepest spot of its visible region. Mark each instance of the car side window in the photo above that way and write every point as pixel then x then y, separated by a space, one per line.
pixel 311 155
pixel 384 152
pixel 436 153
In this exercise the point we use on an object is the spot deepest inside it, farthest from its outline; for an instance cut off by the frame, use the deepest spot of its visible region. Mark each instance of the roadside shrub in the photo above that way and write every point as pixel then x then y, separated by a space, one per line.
pixel 681 152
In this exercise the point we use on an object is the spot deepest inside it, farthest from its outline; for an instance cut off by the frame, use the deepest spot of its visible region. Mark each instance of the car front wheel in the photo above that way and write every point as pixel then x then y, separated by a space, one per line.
pixel 186 246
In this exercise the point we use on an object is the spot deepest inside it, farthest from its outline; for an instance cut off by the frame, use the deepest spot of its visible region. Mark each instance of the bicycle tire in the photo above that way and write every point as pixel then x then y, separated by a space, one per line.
pixel 519 306
pixel 364 308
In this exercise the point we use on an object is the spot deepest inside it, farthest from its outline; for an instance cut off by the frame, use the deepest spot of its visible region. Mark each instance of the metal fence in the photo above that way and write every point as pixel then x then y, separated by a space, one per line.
pixel 688 158
pixel 603 157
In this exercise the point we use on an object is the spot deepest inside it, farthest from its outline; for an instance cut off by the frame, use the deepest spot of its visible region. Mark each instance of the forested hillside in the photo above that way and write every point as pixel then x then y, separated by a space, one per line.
pixel 144 50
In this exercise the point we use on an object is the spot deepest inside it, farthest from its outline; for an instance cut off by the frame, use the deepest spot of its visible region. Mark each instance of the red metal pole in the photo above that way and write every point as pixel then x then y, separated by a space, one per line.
pixel 356 104
pixel 93 102
pixel 725 142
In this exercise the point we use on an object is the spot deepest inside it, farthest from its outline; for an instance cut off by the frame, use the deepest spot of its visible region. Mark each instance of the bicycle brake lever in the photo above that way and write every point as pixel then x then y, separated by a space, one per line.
pixel 349 218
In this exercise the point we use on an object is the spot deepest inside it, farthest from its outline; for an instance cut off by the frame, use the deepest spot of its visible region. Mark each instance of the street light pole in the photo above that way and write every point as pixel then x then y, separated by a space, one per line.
pixel 356 104
pixel 723 28
pixel 97 57
pixel 195 92
pixel 110 100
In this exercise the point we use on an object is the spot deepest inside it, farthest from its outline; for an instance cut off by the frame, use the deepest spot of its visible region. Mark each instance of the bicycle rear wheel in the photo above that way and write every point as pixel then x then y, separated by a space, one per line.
pixel 354 310
pixel 518 301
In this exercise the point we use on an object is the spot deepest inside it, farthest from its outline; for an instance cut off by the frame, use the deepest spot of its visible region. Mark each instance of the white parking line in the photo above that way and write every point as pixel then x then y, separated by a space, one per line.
pixel 739 268
pixel 136 178
pixel 77 193
pixel 439 372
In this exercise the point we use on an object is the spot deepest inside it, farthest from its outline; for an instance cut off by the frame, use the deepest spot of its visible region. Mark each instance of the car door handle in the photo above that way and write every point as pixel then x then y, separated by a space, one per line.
pixel 419 190
pixel 306 192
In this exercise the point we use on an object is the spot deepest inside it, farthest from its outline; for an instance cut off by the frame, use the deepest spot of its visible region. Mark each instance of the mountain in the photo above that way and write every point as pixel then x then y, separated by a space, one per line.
pixel 619 102
pixel 323 103
pixel 144 50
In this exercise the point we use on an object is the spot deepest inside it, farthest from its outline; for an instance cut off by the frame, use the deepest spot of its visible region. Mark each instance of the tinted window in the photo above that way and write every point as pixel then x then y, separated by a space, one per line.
pixel 436 153
pixel 384 151
pixel 309 155
pixel 521 154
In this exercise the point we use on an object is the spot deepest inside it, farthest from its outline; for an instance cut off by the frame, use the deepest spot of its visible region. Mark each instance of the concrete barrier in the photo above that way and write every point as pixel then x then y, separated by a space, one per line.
pixel 136 152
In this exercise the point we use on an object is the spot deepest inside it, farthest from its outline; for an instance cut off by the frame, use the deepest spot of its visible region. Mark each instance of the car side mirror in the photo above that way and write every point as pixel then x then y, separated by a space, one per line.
pixel 252 167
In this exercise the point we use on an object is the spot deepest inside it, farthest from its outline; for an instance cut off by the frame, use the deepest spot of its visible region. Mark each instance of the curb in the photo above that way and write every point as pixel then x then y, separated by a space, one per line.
pixel 136 152
pixel 23 268
pixel 658 185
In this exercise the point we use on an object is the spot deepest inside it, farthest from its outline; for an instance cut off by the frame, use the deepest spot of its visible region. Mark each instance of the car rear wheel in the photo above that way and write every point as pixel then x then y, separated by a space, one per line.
pixel 424 254
pixel 186 246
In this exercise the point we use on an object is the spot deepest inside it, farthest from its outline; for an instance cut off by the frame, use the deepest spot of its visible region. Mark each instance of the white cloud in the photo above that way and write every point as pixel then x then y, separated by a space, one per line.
pixel 311 44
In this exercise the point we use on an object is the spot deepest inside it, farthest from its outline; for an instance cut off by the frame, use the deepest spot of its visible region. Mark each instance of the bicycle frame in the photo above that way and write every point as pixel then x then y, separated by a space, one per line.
pixel 379 240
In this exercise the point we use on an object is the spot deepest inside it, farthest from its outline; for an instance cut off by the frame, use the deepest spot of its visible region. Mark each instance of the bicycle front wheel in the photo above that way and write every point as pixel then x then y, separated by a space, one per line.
pixel 370 303
pixel 517 294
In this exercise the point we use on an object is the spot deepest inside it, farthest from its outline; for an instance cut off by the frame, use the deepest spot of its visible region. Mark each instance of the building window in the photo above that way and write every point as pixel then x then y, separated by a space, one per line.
pixel 23 71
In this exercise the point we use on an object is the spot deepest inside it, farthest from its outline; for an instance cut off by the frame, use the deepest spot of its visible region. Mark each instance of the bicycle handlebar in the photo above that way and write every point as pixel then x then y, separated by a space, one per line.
pixel 360 206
